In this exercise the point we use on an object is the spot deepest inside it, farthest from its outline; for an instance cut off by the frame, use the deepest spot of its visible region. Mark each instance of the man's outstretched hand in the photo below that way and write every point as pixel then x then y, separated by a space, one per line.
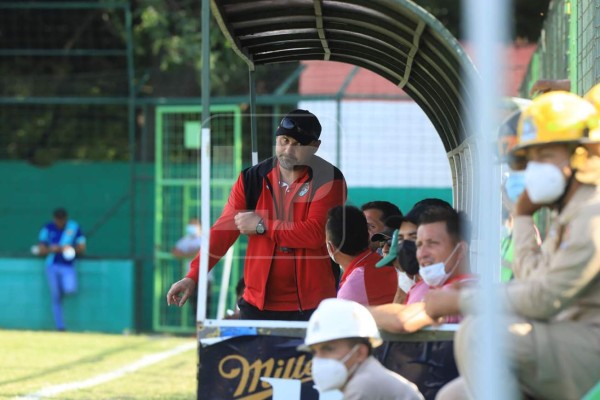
pixel 180 291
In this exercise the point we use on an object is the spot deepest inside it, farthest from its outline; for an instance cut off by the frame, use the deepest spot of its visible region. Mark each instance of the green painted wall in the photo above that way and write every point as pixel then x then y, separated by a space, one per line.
pixel 103 303
pixel 404 198
pixel 97 195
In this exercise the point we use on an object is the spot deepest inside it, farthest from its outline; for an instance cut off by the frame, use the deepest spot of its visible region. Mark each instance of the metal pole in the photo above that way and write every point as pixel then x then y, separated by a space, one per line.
pixel 573 11
pixel 131 129
pixel 338 115
pixel 253 134
pixel 204 162
pixel 486 31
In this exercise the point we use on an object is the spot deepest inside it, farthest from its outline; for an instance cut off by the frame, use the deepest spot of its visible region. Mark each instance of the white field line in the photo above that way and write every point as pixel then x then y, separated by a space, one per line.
pixel 109 376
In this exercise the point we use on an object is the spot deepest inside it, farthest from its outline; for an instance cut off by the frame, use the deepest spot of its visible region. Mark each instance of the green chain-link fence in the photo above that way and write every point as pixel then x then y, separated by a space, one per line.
pixel 177 163
pixel 569 46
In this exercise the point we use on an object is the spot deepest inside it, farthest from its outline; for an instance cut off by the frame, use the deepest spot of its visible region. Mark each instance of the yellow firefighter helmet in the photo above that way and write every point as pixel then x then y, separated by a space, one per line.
pixel 593 96
pixel 553 117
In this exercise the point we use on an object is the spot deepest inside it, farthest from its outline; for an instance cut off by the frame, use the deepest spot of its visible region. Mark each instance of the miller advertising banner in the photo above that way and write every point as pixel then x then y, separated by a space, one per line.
pixel 233 368
pixel 257 367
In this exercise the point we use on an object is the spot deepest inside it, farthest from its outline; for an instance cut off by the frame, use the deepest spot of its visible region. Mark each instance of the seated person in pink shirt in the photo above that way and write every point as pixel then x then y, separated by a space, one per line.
pixel 402 253
pixel 442 253
pixel 347 239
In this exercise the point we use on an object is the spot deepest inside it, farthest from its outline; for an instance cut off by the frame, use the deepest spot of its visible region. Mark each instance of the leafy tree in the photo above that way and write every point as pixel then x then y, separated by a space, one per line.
pixel 526 17
pixel 167 48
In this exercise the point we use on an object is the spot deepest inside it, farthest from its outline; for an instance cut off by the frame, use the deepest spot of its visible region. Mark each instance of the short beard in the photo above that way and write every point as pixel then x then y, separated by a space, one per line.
pixel 290 166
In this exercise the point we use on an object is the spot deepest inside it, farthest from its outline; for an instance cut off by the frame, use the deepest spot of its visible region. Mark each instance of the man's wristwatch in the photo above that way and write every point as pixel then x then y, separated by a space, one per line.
pixel 260 227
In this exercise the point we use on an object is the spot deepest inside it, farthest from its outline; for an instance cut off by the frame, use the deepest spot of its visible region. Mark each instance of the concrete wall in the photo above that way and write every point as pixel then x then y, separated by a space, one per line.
pixel 103 303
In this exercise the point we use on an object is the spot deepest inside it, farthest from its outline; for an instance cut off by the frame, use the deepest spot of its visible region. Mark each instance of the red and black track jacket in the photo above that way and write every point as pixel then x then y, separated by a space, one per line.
pixel 295 228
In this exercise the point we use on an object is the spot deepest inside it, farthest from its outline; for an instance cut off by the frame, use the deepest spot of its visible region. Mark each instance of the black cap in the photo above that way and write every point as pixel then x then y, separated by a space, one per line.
pixel 301 125
pixel 382 236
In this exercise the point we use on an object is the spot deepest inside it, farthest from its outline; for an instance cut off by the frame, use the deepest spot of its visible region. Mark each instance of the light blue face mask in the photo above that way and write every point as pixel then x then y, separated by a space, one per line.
pixel 514 185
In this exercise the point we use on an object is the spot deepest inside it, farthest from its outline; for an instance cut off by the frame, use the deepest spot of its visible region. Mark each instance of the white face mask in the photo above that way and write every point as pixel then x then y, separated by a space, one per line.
pixel 404 282
pixel 545 182
pixel 192 230
pixel 435 274
pixel 329 373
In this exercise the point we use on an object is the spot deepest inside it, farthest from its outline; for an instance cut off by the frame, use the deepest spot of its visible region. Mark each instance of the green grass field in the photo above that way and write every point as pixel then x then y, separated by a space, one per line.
pixel 113 366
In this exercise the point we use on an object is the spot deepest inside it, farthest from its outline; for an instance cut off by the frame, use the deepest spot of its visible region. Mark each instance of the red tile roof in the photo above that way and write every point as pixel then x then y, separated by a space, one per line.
pixel 325 77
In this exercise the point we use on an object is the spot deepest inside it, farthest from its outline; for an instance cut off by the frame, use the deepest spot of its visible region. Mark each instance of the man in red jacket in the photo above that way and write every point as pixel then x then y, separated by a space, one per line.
pixel 281 204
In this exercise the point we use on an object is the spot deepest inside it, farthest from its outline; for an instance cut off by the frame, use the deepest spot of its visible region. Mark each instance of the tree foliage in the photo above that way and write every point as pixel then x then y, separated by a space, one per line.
pixel 526 17
pixel 167 58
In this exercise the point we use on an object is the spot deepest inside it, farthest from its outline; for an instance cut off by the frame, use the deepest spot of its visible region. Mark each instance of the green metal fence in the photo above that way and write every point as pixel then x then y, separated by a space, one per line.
pixel 569 47
pixel 588 44
pixel 177 200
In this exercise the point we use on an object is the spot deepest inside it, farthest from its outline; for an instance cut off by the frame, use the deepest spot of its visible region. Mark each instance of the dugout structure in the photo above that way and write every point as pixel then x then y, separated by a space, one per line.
pixel 398 41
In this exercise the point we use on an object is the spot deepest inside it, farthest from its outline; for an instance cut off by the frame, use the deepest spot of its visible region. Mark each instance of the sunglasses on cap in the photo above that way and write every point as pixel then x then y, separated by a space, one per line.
pixel 290 124
pixel 383 243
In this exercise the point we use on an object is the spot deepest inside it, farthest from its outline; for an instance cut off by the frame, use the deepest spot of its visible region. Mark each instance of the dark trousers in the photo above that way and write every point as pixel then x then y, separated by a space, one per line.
pixel 248 311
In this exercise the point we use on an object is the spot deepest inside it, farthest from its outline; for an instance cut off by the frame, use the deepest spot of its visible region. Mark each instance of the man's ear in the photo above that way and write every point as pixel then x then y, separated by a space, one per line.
pixel 316 144
pixel 363 352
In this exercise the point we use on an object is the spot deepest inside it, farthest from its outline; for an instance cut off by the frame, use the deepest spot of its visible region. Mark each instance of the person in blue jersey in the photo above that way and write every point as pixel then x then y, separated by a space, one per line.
pixel 60 241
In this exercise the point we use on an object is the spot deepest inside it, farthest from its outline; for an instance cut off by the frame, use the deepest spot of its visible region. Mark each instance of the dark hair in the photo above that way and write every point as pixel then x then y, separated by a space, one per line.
pixel 432 201
pixel 457 224
pixel 60 213
pixel 421 206
pixel 394 222
pixel 347 228
pixel 387 209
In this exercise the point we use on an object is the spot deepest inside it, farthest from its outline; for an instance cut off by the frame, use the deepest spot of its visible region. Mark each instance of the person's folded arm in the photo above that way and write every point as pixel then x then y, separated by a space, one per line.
pixel 224 231
pixel 441 303
pixel 399 318
pixel 571 270
pixel 527 252
pixel 310 233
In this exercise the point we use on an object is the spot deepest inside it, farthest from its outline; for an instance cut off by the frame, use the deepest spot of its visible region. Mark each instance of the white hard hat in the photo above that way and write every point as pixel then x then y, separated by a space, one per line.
pixel 340 319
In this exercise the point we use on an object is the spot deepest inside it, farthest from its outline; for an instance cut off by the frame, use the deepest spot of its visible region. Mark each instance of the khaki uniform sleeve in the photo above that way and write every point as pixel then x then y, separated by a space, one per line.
pixel 528 256
pixel 557 276
pixel 568 271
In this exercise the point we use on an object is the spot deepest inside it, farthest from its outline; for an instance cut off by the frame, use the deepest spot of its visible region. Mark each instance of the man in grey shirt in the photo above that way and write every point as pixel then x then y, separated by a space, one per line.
pixel 341 335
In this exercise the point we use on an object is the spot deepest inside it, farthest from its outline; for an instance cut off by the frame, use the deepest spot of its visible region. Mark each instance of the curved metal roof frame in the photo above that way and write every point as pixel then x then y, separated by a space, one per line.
pixel 394 38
